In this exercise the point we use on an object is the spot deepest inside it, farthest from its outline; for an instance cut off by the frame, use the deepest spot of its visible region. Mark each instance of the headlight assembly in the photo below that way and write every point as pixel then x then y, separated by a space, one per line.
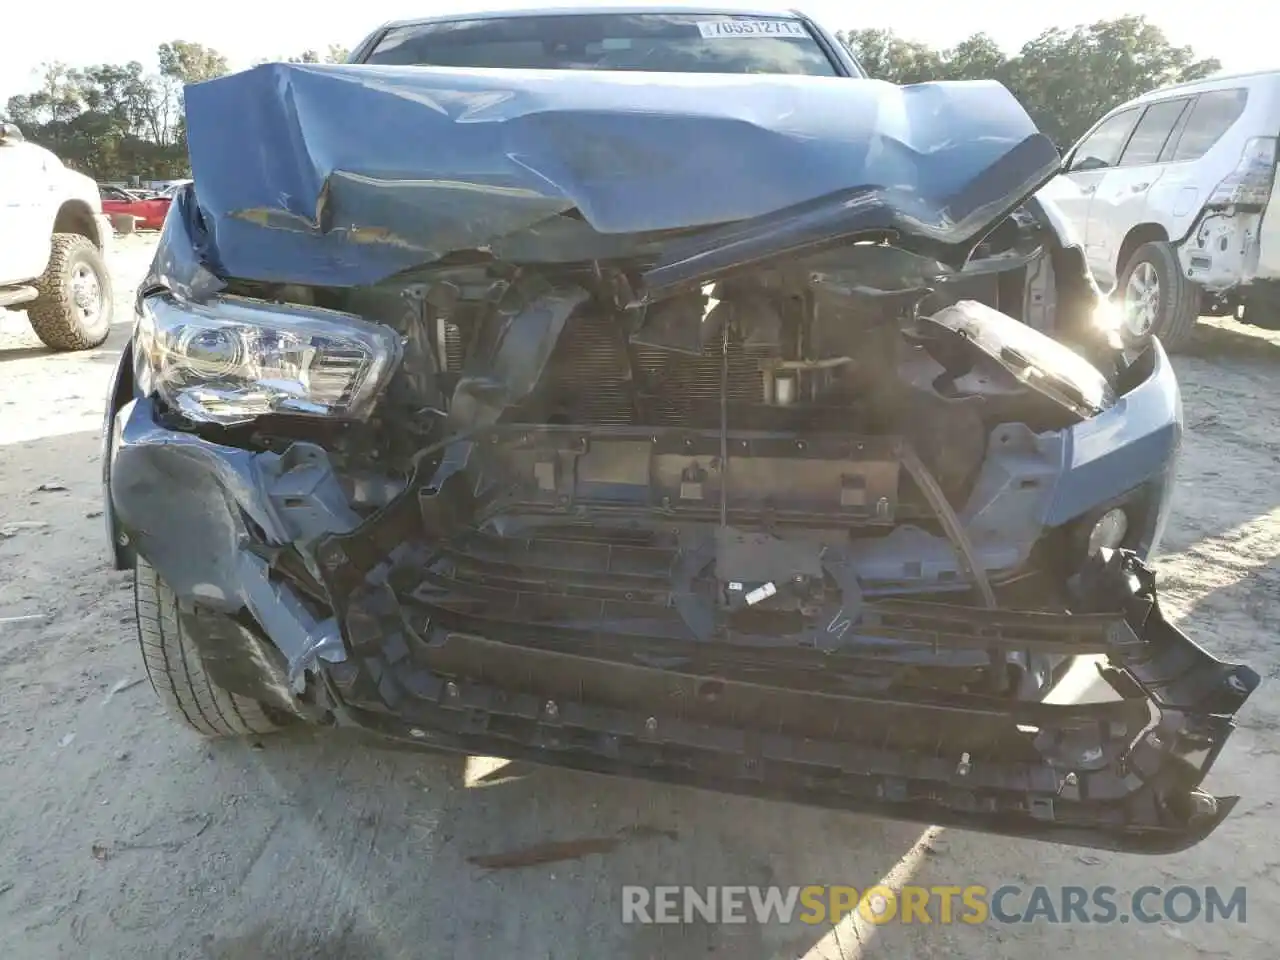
pixel 231 359
pixel 1109 531
pixel 1044 364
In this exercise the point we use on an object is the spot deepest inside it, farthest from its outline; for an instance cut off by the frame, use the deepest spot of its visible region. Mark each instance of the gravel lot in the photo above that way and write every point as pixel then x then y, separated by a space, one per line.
pixel 122 835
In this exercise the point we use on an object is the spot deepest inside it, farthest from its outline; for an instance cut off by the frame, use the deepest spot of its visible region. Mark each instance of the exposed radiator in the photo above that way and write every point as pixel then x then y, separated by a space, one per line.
pixel 590 379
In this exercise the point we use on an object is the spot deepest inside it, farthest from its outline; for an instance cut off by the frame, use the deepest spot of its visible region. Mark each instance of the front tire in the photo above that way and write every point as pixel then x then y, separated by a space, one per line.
pixel 74 308
pixel 176 672
pixel 1157 299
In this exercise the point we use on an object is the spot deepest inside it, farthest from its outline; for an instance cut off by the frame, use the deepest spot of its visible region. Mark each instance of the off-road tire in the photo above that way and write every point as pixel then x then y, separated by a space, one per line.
pixel 53 314
pixel 1179 297
pixel 176 671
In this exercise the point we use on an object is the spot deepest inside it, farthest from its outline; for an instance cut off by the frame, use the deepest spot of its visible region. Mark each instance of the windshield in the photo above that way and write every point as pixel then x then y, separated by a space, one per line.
pixel 665 42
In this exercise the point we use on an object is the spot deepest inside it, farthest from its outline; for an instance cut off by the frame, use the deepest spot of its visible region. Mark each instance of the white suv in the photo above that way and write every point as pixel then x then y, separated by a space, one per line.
pixel 53 240
pixel 1169 194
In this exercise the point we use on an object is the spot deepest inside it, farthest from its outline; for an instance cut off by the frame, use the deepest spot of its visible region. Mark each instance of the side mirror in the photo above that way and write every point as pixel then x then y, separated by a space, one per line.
pixel 10 133
pixel 1089 163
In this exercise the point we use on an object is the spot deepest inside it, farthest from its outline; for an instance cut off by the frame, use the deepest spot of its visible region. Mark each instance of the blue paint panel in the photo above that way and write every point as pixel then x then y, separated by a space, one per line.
pixel 1132 443
pixel 345 174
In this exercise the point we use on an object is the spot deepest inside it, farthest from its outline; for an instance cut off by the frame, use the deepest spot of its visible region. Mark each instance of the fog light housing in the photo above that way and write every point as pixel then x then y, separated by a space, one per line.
pixel 1109 532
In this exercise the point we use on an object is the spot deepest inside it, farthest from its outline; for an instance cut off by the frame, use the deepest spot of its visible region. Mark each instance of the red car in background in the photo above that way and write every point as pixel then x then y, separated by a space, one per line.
pixel 150 209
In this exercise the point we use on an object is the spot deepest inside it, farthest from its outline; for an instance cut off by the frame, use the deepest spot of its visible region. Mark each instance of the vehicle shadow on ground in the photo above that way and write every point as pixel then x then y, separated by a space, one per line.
pixel 392 836
pixel 1226 339
pixel 1244 607
pixel 1226 375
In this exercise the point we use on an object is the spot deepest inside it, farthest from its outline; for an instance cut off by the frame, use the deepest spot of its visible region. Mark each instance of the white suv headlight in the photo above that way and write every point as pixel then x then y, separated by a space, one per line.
pixel 231 359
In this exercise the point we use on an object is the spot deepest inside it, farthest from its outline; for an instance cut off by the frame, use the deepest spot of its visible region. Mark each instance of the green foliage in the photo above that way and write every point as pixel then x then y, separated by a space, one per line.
pixel 336 53
pixel 1065 79
pixel 110 121
pixel 115 121
pixel 187 62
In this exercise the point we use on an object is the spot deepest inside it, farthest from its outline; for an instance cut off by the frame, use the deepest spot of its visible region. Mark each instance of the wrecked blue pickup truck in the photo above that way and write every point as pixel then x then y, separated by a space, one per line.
pixel 759 433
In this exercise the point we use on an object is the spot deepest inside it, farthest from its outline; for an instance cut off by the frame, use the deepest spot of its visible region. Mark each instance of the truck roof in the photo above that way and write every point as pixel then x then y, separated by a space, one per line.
pixel 764 10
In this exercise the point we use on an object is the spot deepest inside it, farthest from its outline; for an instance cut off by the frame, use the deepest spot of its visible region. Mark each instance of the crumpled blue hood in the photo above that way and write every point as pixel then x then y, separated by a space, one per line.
pixel 345 174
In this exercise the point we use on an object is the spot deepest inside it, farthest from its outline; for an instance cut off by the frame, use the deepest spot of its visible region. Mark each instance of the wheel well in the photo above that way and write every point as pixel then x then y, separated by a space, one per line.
pixel 122 554
pixel 1143 233
pixel 74 216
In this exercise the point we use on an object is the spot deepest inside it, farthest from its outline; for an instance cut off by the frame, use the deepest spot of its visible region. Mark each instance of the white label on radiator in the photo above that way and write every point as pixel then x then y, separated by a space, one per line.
pixel 763 592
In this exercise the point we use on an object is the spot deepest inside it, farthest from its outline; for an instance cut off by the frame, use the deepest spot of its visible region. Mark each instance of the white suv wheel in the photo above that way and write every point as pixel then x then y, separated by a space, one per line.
pixel 1142 300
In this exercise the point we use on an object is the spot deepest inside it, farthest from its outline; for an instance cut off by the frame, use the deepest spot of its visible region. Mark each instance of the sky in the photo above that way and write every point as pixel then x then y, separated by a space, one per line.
pixel 85 32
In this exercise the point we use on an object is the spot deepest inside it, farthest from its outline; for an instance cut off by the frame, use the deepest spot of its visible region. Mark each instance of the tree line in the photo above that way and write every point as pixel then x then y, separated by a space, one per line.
pixel 1065 78
pixel 114 121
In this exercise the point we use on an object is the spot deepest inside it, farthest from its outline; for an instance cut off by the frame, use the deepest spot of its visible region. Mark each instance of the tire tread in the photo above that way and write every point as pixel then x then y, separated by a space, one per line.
pixel 52 314
pixel 176 672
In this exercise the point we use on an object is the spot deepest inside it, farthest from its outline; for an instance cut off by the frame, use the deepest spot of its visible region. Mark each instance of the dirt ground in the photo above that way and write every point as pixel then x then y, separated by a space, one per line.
pixel 124 835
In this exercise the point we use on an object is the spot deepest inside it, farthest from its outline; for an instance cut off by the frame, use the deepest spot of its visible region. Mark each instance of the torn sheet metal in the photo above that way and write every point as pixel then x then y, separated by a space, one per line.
pixel 340 175
pixel 185 262
pixel 945 223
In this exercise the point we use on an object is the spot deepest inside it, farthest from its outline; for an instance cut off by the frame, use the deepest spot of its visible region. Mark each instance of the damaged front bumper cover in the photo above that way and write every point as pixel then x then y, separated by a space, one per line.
pixel 354 626
pixel 1121 774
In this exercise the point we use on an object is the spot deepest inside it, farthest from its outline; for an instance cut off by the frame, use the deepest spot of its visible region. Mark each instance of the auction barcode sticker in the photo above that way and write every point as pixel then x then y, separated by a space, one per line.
pixel 717 29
